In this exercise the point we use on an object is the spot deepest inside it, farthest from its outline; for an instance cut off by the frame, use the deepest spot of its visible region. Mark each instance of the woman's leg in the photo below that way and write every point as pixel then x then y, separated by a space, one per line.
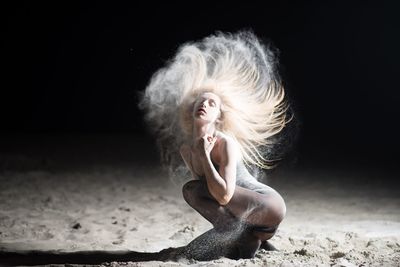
pixel 261 212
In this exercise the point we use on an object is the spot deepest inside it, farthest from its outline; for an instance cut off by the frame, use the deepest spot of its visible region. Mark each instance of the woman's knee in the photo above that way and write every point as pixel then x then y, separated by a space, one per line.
pixel 277 208
pixel 273 210
pixel 190 190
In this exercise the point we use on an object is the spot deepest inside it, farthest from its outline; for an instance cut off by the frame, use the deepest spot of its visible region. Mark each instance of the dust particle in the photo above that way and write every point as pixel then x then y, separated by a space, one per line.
pixel 337 255
pixel 302 252
pixel 77 226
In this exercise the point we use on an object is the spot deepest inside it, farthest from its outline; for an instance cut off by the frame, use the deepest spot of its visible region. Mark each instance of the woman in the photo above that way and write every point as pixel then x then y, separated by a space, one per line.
pixel 219 106
pixel 216 108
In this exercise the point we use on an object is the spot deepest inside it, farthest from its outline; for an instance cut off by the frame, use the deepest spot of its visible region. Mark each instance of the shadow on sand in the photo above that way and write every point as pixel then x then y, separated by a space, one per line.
pixel 209 246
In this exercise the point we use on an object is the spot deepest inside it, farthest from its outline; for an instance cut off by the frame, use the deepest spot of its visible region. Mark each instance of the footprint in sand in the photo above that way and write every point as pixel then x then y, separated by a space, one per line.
pixel 183 232
pixel 120 237
pixel 42 232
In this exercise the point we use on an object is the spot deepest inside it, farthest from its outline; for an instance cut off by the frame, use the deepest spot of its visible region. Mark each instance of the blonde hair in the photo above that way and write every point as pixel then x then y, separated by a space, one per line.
pixel 242 72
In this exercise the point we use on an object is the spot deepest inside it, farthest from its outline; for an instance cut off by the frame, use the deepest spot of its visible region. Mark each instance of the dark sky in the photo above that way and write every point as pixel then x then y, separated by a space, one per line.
pixel 77 67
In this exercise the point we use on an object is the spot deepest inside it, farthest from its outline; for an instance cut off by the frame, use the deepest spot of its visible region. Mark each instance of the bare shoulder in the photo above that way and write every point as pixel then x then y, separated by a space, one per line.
pixel 225 141
pixel 227 148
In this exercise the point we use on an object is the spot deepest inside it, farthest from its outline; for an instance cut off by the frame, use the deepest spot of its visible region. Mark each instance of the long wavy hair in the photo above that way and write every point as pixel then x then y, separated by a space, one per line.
pixel 238 68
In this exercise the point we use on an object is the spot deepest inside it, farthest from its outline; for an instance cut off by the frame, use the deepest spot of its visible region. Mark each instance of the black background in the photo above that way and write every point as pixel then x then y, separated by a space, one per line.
pixel 76 68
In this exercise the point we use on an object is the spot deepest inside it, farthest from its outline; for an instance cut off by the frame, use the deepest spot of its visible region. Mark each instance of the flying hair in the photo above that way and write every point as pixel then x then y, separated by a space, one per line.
pixel 238 68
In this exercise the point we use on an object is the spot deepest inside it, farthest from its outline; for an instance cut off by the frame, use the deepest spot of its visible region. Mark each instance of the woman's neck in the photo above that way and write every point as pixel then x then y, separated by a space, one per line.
pixel 199 130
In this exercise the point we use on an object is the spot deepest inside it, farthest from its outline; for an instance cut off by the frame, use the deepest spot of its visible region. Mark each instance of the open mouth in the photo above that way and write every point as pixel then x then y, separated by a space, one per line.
pixel 201 110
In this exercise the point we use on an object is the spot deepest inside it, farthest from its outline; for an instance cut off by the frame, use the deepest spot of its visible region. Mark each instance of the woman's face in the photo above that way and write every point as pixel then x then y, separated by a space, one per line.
pixel 207 107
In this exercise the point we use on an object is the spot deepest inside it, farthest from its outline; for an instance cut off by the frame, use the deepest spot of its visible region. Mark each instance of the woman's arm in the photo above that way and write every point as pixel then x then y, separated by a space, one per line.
pixel 221 184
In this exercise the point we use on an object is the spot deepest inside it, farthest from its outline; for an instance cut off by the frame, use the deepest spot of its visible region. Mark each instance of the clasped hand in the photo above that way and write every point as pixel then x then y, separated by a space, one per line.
pixel 204 145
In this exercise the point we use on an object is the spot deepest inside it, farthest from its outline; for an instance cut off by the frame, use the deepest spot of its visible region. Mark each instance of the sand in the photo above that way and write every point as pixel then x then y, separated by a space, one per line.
pixel 334 218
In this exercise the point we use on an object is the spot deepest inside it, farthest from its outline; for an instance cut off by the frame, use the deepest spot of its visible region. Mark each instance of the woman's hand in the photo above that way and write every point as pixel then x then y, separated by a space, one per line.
pixel 204 145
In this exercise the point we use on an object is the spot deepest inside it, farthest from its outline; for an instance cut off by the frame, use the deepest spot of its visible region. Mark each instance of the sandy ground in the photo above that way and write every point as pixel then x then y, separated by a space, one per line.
pixel 334 218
